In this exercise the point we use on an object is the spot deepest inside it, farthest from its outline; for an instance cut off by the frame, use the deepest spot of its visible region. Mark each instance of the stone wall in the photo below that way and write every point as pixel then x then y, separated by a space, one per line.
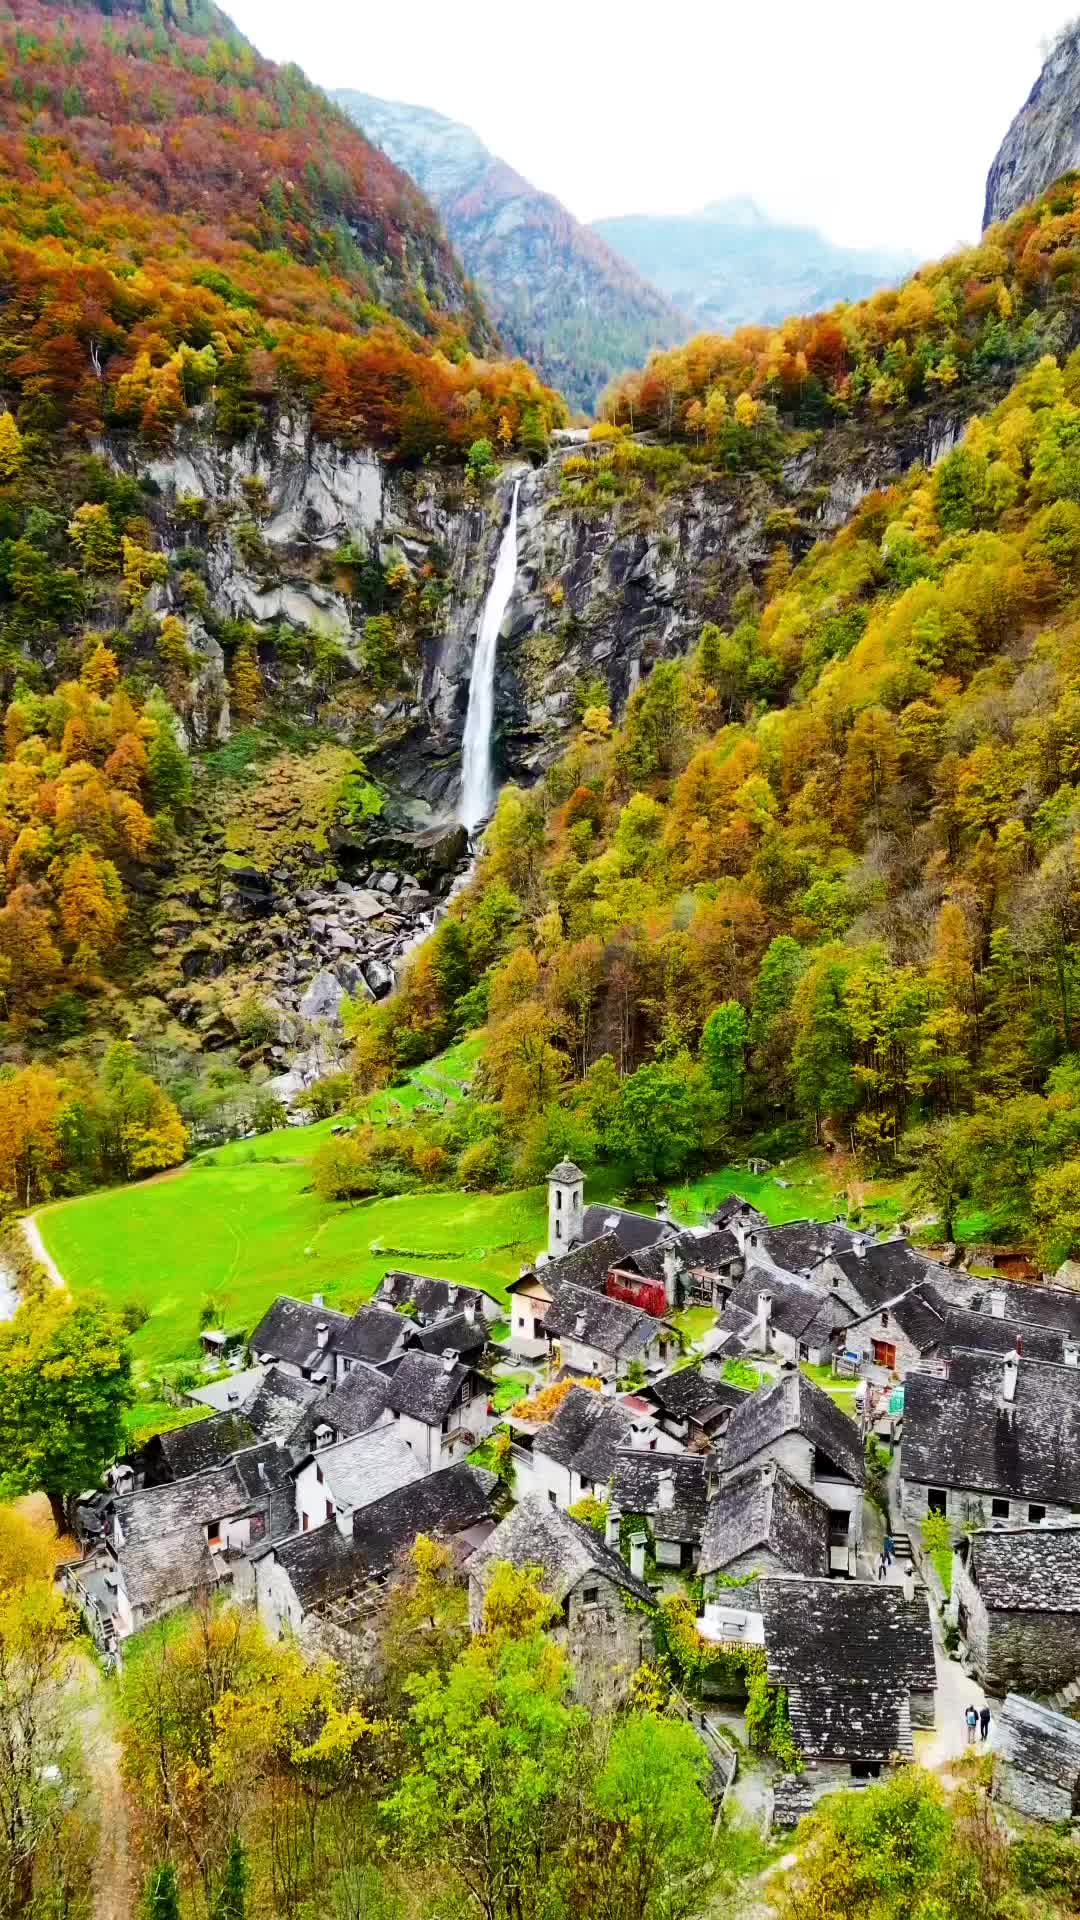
pixel 965 1507
pixel 607 1640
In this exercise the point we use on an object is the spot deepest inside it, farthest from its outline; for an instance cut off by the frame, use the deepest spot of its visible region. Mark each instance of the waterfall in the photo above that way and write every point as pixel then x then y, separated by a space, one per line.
pixel 477 773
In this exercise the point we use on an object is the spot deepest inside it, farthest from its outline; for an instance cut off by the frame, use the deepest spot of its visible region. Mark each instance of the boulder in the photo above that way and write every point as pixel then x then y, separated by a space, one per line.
pixel 379 976
pixel 322 998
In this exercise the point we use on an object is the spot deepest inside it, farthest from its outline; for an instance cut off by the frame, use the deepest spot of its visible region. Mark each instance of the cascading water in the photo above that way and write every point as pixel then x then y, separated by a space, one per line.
pixel 477 772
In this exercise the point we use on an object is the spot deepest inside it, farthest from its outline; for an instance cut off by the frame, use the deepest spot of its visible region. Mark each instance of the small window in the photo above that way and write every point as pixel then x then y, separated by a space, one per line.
pixel 884 1318
pixel 866 1769
pixel 213 1533
pixel 558 1229
pixel 590 1596
pixel 329 1509
pixel 552 1498
pixel 558 1199
pixel 1036 1513
pixel 999 1509
pixel 937 1500
pixel 521 1320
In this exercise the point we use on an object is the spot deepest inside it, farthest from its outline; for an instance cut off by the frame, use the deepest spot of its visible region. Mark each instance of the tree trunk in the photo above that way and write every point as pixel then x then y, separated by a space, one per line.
pixel 58 1505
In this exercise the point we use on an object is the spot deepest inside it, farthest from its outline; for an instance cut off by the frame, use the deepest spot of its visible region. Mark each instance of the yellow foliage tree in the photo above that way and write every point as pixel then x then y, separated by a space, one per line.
pixel 11 448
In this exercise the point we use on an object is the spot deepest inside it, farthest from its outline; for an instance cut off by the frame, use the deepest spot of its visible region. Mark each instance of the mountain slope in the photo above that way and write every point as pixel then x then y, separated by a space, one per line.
pixel 730 265
pixel 1043 141
pixel 559 294
pixel 184 222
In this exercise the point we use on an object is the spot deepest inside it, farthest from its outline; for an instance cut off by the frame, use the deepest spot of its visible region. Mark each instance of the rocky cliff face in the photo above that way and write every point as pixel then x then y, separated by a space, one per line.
pixel 1043 141
pixel 275 895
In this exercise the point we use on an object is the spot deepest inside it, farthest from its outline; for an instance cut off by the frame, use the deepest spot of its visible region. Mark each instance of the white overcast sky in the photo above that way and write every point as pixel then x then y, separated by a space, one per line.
pixel 875 122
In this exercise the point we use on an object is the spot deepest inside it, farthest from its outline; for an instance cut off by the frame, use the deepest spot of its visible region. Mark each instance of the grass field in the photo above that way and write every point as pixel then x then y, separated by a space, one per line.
pixel 245 1233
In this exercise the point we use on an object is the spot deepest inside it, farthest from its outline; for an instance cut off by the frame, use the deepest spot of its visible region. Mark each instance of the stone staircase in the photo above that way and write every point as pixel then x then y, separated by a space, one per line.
pixel 902 1549
pixel 1065 1698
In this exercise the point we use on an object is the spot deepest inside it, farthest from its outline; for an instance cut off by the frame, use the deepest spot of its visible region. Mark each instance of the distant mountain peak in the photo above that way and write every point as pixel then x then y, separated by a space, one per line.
pixel 559 294
pixel 738 210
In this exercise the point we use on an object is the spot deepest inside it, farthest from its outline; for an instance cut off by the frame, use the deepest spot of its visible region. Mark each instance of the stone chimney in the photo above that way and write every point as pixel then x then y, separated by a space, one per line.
pixel 909 1582
pixel 663 1209
pixel 579 1326
pixel 451 1295
pixel 640 1435
pixel 1010 1371
pixel 317 1301
pixel 764 1315
pixel 995 1300
pixel 638 1544
pixel 449 1360
pixel 671 1277
pixel 608 1387
pixel 322 1334
pixel 611 1527
pixel 470 1313
pixel 1072 1353
pixel 665 1491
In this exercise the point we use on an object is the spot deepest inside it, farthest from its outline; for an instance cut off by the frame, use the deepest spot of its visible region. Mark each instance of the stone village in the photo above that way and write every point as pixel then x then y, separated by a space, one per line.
pixel 778 1470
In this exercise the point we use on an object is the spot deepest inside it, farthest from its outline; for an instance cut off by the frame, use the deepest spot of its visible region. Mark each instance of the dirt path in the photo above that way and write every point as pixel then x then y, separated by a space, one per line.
pixel 113 1894
pixel 32 1236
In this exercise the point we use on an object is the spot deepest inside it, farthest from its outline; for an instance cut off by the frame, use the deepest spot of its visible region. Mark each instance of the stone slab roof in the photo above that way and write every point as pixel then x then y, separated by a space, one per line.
pixel 800 1244
pixel 793 1404
pixel 585 1265
pixel 632 1230
pixel 922 1315
pixel 611 1326
pixel 850 1653
pixel 960 1432
pixel 157 1572
pixel 985 1333
pixel 455 1331
pixel 453 1501
pixel 278 1401
pixel 365 1467
pixel 802 1311
pixel 768 1511
pixel 203 1444
pixel 373 1334
pixel 585 1433
pixel 1039 1741
pixel 638 1487
pixel 1030 1303
pixel 686 1394
pixel 359 1401
pixel 536 1534
pixel 232 1392
pixel 288 1331
pixel 423 1388
pixel 1031 1569
pixel 431 1298
pixel 886 1269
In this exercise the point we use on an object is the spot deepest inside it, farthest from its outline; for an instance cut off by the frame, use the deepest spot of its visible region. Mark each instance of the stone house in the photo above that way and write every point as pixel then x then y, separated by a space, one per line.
pixel 671 1492
pixel 857 1659
pixel 327 1573
pixel 1030 1304
pixel 575 1452
pixel 531 1294
pixel 188 1450
pixel 1037 1761
pixel 588 1333
pixel 604 1608
pixel 358 1403
pixel 464 1333
pixel 1016 1600
pixel 691 1407
pixel 163 1545
pixel 762 1522
pixel 431 1300
pixel 338 1479
pixel 440 1405
pixel 994 1439
pixel 296 1335
pixel 909 1333
pixel 374 1336
pixel 795 1424
pixel 780 1313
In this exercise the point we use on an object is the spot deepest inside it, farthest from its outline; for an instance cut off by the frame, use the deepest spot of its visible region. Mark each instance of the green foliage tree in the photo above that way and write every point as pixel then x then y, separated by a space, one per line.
pixel 162 1897
pixel 65 1385
pixel 723 1053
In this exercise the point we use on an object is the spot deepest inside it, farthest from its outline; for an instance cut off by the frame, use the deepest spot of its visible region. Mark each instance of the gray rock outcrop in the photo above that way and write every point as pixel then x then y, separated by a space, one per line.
pixel 1043 141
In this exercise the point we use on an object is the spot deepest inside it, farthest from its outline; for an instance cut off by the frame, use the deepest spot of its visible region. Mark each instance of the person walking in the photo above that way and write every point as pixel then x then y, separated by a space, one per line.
pixel 887 1550
pixel 971 1719
pixel 984 1721
pixel 882 1568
